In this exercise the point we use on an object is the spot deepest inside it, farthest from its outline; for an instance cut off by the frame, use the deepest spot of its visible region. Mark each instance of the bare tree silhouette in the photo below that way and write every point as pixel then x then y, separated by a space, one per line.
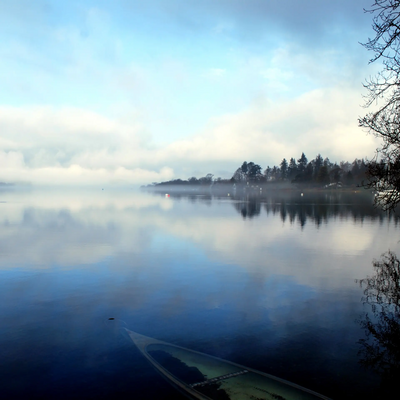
pixel 380 349
pixel 384 91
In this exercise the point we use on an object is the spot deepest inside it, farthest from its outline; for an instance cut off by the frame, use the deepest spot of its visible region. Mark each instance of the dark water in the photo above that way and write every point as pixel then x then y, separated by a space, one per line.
pixel 267 283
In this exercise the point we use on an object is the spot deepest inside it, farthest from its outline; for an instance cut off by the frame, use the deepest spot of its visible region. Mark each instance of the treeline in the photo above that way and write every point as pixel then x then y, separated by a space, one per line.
pixel 204 181
pixel 317 172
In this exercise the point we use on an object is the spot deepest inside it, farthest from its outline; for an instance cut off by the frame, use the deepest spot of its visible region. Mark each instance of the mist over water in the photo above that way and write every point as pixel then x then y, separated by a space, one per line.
pixel 267 282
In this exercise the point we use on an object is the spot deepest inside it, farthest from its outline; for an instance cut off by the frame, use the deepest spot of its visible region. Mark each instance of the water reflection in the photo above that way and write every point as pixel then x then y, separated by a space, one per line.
pixel 248 207
pixel 262 291
pixel 320 207
pixel 298 207
pixel 380 349
pixel 73 229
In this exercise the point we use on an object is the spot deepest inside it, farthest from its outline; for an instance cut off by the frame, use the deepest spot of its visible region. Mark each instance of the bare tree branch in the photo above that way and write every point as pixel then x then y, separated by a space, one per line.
pixel 384 90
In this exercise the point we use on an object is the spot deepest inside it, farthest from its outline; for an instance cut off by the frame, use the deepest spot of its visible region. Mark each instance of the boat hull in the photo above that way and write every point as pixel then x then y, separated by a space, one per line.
pixel 204 377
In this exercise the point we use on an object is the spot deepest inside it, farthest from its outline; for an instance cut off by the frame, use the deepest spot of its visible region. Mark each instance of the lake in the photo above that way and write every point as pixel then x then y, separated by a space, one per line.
pixel 267 282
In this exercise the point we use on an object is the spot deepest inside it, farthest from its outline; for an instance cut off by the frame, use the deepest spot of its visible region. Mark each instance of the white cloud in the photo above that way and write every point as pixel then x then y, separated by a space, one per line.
pixel 45 145
pixel 126 93
pixel 321 121
pixel 11 160
pixel 67 145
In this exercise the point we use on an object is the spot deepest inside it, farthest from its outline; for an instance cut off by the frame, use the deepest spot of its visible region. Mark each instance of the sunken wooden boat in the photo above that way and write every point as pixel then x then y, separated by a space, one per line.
pixel 205 377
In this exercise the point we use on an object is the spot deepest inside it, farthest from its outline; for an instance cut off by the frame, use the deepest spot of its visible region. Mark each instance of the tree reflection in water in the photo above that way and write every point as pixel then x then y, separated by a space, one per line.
pixel 249 207
pixel 380 349
pixel 317 207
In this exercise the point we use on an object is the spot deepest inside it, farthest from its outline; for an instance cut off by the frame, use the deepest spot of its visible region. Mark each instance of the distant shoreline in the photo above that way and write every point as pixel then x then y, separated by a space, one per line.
pixel 255 189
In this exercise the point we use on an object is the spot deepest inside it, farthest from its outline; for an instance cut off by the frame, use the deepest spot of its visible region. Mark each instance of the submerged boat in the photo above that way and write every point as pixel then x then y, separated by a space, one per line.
pixel 205 377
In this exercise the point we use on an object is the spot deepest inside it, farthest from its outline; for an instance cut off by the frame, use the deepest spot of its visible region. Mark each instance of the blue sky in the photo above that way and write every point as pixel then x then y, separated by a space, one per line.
pixel 132 92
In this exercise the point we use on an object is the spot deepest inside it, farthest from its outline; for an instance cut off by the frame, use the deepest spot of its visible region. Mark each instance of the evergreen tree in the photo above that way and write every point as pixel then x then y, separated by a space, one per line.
pixel 302 163
pixel 275 173
pixel 318 163
pixel 292 169
pixel 308 173
pixel 284 169
pixel 323 175
pixel 327 163
pixel 267 173
pixel 336 173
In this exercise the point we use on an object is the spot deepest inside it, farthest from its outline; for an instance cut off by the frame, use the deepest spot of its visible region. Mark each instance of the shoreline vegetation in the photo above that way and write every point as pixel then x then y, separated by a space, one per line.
pixel 303 175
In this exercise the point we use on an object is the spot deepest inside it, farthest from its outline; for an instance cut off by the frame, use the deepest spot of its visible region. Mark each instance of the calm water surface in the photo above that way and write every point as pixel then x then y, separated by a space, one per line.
pixel 267 283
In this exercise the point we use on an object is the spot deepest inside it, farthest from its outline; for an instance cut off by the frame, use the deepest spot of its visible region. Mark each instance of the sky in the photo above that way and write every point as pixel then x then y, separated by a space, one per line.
pixel 129 92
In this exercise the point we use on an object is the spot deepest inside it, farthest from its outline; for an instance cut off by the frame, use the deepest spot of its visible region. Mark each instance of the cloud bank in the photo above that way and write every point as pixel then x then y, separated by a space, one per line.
pixel 150 91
